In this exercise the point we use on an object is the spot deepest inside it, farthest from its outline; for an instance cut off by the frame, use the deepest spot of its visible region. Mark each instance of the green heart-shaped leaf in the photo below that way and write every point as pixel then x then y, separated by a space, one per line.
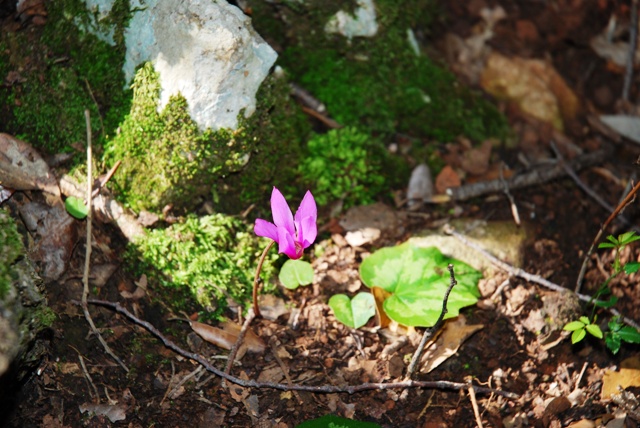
pixel 295 273
pixel 76 207
pixel 354 312
pixel 418 278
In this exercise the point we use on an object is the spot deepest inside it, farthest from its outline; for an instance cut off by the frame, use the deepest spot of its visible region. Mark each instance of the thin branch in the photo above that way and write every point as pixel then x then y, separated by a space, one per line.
pixel 588 190
pixel 87 257
pixel 428 333
pixel 236 346
pixel 513 271
pixel 536 176
pixel 474 405
pixel 256 281
pixel 456 386
pixel 89 380
pixel 626 201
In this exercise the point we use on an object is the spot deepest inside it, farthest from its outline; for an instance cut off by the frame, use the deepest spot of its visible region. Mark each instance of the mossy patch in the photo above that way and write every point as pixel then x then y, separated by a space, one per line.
pixel 166 160
pixel 62 71
pixel 378 84
pixel 215 257
pixel 11 249
pixel 344 164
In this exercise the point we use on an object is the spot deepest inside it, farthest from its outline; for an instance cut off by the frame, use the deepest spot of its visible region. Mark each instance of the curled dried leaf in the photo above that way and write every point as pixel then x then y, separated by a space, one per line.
pixel 227 336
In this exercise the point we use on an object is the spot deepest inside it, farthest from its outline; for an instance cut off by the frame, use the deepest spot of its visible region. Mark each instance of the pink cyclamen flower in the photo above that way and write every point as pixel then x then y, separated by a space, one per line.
pixel 293 234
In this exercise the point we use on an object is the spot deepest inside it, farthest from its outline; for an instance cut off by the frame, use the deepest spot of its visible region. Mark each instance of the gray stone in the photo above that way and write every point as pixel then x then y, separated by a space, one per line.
pixel 205 50
pixel 23 309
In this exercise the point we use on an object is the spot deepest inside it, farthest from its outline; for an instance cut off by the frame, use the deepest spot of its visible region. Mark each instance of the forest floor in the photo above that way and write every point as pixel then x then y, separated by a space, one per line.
pixel 557 383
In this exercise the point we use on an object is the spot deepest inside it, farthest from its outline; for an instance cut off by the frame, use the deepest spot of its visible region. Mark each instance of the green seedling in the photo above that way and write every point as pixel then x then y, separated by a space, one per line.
pixel 76 207
pixel 417 279
pixel 618 331
pixel 332 421
pixel 581 327
pixel 619 243
pixel 354 312
pixel 295 273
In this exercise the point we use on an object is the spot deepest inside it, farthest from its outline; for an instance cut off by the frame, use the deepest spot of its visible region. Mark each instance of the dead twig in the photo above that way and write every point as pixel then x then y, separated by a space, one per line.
pixel 588 190
pixel 514 208
pixel 243 331
pixel 442 384
pixel 537 279
pixel 474 404
pixel 626 201
pixel 283 367
pixel 256 281
pixel 87 257
pixel 89 380
pixel 538 175
pixel 428 333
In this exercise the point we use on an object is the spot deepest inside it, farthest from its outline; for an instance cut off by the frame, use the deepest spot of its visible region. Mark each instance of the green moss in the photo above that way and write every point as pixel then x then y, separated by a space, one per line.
pixel 214 257
pixel 65 71
pixel 166 160
pixel 11 249
pixel 377 84
pixel 344 164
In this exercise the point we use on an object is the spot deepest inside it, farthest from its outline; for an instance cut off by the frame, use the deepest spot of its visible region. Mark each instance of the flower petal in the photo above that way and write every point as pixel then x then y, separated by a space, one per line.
pixel 305 220
pixel 281 212
pixel 287 245
pixel 266 229
pixel 309 231
pixel 307 208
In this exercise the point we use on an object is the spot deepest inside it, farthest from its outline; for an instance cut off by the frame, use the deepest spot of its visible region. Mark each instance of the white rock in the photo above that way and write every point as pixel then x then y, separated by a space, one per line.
pixel 362 23
pixel 420 187
pixel 206 50
pixel 627 126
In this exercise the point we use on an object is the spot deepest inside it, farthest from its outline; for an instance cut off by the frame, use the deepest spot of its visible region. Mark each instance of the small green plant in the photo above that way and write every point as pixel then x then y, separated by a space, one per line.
pixel 213 256
pixel 416 280
pixel 332 421
pixel 618 331
pixel 295 273
pixel 344 164
pixel 354 312
pixel 581 327
pixel 76 207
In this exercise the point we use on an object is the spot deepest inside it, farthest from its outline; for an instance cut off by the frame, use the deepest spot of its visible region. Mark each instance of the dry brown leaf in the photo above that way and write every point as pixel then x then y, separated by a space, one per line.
pixel 584 423
pixel 629 375
pixel 272 307
pixel 251 340
pixel 454 333
pixel 447 178
pixel 380 295
pixel 534 85
pixel 214 335
pixel 271 374
pixel 476 160
pixel 22 167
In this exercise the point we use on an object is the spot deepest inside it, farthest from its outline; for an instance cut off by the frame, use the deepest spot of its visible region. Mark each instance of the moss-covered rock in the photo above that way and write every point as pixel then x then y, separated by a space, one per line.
pixel 23 309
pixel 166 160
pixel 215 257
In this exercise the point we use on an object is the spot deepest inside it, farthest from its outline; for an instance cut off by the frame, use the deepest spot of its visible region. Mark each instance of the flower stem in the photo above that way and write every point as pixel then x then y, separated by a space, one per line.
pixel 256 279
